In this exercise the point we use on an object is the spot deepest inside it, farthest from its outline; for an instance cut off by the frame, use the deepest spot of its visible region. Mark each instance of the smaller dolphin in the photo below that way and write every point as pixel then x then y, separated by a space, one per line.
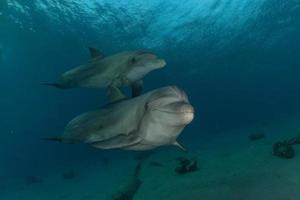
pixel 145 122
pixel 125 68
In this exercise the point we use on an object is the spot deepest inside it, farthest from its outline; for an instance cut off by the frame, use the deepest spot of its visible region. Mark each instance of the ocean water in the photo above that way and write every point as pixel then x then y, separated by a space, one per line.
pixel 237 60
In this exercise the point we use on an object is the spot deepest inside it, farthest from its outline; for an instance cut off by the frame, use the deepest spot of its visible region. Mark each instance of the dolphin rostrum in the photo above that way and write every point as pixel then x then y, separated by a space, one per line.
pixel 125 68
pixel 145 122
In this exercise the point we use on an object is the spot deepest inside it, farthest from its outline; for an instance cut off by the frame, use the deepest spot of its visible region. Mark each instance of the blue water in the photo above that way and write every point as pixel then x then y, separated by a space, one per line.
pixel 238 61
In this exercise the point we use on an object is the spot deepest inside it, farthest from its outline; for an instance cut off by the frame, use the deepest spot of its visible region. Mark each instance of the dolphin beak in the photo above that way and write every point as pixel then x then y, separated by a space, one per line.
pixel 162 62
pixel 178 107
pixel 187 108
pixel 159 63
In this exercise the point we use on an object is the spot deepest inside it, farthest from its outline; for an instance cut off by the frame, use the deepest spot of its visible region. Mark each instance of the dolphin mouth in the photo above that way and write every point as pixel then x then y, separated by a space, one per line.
pixel 181 116
pixel 177 108
pixel 158 62
pixel 161 62
pixel 174 112
pixel 150 56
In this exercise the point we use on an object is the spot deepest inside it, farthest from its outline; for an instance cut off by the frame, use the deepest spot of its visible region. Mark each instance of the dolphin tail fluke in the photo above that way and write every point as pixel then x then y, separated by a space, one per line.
pixel 179 146
pixel 57 85
pixel 54 139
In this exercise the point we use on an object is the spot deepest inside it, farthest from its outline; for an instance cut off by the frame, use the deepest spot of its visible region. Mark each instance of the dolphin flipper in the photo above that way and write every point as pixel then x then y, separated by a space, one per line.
pixel 136 88
pixel 177 144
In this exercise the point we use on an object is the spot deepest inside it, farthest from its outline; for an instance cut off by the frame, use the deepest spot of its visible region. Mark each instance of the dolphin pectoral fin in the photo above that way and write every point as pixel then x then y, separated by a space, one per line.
pixel 95 53
pixel 115 94
pixel 179 146
pixel 120 141
pixel 136 88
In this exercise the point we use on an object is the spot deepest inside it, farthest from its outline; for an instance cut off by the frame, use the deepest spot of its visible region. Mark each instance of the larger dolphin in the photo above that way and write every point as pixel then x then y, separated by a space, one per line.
pixel 141 123
pixel 126 68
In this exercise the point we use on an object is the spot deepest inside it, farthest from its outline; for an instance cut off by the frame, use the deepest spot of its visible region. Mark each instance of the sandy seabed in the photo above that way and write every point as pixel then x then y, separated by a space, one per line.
pixel 230 168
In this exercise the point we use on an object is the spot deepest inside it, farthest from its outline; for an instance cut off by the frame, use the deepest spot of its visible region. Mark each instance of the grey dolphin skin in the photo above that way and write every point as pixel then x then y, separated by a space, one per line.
pixel 125 68
pixel 145 122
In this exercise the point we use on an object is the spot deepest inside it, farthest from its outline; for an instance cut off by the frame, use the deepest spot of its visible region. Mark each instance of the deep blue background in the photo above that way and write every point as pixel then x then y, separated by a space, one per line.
pixel 238 60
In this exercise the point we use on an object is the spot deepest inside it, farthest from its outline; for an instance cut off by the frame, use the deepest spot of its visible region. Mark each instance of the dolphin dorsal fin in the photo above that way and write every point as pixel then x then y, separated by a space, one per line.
pixel 115 94
pixel 95 53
